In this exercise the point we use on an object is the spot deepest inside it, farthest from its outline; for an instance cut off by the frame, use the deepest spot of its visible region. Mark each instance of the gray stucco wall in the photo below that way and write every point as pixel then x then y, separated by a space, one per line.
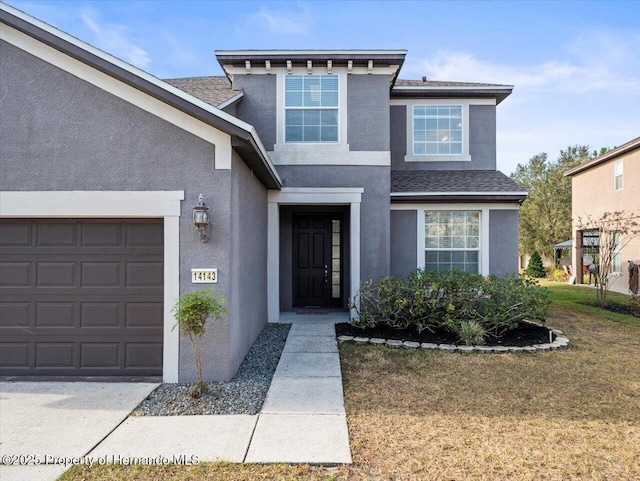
pixel 258 105
pixel 248 301
pixel 368 112
pixel 374 210
pixel 482 141
pixel 404 235
pixel 61 133
pixel 503 242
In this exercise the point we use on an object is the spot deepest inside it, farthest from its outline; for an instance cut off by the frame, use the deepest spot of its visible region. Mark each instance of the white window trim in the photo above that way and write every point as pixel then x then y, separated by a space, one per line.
pixel 464 116
pixel 483 208
pixel 453 249
pixel 309 196
pixel 616 175
pixel 339 146
pixel 293 108
pixel 465 103
pixel 118 204
pixel 617 253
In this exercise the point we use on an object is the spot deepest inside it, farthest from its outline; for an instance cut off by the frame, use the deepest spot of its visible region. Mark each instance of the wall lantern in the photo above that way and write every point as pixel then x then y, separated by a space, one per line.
pixel 201 219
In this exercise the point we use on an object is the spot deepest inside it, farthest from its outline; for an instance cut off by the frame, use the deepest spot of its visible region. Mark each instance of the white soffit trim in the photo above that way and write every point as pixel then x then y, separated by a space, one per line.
pixel 437 101
pixel 230 101
pixel 117 204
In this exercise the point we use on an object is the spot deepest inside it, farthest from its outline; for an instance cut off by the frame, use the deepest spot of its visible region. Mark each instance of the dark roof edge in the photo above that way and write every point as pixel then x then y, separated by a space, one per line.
pixel 512 197
pixel 612 154
pixel 451 92
pixel 155 88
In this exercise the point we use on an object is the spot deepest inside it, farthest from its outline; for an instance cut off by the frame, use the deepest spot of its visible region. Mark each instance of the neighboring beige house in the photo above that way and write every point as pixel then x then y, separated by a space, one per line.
pixel 607 183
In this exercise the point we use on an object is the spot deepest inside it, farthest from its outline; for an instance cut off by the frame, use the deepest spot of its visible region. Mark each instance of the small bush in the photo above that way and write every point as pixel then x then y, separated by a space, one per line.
pixel 535 267
pixel 453 301
pixel 558 274
pixel 471 333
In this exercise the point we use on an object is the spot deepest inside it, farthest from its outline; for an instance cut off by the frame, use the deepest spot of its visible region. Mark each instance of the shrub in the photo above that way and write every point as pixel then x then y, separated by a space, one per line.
pixel 191 312
pixel 454 301
pixel 558 274
pixel 471 332
pixel 535 267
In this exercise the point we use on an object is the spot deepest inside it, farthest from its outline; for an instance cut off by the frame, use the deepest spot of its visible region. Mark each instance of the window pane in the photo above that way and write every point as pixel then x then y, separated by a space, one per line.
pixel 294 117
pixel 329 134
pixel 293 134
pixel 329 117
pixel 293 98
pixel 311 134
pixel 293 82
pixel 419 148
pixel 311 117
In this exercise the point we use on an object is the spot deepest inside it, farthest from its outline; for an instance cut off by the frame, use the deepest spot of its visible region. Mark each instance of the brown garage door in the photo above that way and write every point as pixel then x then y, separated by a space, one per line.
pixel 81 297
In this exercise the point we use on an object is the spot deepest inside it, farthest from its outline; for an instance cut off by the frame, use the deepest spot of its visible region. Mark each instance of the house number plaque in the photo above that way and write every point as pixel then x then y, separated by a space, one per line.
pixel 204 276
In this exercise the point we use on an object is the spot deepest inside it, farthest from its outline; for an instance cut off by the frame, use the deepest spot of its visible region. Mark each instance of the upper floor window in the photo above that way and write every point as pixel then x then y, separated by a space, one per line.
pixel 311 108
pixel 437 130
pixel 617 175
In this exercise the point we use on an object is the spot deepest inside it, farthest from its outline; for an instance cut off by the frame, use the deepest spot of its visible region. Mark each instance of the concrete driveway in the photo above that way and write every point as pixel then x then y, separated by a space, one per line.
pixel 46 424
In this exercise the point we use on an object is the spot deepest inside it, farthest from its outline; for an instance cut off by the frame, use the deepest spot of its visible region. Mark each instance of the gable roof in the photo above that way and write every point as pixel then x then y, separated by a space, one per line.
pixel 244 137
pixel 461 185
pixel 215 90
pixel 612 154
pixel 404 88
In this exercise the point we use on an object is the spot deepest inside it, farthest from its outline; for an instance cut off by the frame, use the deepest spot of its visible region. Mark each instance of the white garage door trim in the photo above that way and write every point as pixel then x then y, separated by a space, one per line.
pixel 118 204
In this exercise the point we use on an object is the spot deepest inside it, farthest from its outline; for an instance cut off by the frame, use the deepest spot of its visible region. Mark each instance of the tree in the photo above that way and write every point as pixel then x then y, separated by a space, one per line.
pixel 535 267
pixel 191 312
pixel 617 229
pixel 545 216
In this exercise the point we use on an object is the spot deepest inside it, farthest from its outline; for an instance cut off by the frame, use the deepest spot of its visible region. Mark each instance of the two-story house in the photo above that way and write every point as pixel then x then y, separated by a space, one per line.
pixel 607 183
pixel 320 169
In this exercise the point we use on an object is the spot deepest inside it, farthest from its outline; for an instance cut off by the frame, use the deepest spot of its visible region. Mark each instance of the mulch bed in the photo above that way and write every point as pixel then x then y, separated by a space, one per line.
pixel 612 307
pixel 525 334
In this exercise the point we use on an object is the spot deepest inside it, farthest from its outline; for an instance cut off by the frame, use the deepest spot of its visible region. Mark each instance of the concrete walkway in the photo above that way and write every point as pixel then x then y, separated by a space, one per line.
pixel 302 420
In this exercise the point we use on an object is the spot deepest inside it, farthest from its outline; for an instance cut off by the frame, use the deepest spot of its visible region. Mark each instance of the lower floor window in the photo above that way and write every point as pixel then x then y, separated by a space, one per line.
pixel 452 240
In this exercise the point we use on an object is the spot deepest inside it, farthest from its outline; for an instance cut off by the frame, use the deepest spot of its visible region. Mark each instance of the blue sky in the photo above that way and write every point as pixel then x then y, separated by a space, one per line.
pixel 575 65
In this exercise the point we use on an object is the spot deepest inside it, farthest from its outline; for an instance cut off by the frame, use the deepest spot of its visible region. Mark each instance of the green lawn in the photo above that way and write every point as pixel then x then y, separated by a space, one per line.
pixel 428 415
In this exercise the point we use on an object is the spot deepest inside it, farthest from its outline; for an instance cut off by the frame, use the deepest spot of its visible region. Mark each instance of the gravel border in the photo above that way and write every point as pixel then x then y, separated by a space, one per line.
pixel 244 394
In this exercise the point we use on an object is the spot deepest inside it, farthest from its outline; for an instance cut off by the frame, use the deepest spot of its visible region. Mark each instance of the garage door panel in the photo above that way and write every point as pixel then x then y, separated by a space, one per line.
pixel 58 274
pixel 150 235
pixel 138 355
pixel 81 297
pixel 100 314
pixel 16 234
pixel 15 274
pixel 15 354
pixel 101 274
pixel 144 274
pixel 56 234
pixel 55 354
pixel 56 314
pixel 14 314
pixel 144 314
pixel 100 355
pixel 101 234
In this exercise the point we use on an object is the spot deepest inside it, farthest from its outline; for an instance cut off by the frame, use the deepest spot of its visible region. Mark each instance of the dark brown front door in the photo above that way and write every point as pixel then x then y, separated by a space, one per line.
pixel 81 297
pixel 316 260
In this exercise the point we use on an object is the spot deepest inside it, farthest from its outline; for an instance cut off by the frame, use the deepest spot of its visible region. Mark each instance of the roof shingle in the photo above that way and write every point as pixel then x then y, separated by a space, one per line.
pixel 447 181
pixel 213 90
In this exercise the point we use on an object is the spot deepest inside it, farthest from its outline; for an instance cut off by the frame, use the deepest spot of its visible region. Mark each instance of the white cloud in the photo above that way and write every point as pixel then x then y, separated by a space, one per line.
pixel 114 39
pixel 596 62
pixel 285 22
